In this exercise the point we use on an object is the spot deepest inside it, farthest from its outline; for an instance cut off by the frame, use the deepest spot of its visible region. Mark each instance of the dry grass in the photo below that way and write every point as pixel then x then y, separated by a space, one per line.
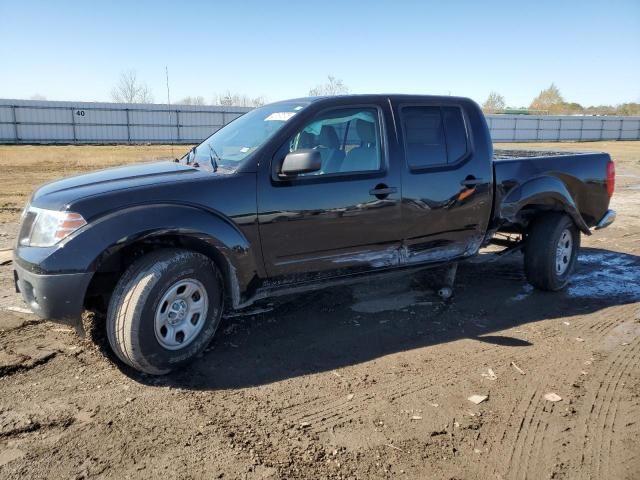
pixel 24 167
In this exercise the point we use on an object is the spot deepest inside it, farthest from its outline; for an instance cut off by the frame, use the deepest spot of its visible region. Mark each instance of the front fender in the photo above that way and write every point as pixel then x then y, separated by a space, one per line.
pixel 88 248
pixel 544 190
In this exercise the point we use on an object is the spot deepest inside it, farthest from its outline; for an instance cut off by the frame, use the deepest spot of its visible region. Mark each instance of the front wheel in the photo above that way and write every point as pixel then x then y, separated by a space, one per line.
pixel 551 251
pixel 165 310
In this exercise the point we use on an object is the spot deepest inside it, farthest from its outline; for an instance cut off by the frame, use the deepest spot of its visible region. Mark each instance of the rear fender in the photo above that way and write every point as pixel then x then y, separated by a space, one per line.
pixel 545 190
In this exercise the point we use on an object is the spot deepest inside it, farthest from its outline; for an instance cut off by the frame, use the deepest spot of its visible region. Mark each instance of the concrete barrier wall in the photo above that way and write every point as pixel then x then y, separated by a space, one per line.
pixel 34 121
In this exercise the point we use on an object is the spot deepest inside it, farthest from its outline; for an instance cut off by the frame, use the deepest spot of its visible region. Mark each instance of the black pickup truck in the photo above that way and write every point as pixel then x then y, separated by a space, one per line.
pixel 289 197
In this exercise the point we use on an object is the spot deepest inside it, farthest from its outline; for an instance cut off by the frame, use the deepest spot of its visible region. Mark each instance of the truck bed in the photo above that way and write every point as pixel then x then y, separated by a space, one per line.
pixel 583 174
pixel 508 154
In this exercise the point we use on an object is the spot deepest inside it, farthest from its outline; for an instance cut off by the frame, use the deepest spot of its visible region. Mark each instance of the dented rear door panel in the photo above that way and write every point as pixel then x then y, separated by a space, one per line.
pixel 446 208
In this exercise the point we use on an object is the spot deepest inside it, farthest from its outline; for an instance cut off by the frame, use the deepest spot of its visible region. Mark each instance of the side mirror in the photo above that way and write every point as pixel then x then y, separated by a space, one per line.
pixel 301 161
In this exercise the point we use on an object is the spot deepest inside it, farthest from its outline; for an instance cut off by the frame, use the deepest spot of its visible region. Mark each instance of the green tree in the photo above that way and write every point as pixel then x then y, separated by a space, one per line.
pixel 571 108
pixel 548 100
pixel 628 109
pixel 494 103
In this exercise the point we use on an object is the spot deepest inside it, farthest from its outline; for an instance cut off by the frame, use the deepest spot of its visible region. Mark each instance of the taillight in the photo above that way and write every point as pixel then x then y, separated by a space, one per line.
pixel 611 177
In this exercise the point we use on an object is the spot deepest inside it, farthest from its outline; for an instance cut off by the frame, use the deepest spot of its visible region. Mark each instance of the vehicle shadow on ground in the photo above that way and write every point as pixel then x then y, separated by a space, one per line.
pixel 338 327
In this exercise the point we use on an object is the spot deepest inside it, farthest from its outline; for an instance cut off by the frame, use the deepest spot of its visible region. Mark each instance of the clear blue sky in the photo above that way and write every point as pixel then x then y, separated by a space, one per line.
pixel 76 50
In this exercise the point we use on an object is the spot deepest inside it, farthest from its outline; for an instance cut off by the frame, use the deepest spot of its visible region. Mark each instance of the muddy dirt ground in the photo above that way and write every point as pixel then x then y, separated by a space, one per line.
pixel 368 381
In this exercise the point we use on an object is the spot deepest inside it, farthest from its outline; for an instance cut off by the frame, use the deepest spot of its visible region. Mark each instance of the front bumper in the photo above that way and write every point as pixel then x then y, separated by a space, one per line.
pixel 57 297
pixel 607 219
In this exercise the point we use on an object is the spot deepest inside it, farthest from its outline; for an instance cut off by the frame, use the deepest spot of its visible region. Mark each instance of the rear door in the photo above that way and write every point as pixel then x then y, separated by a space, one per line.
pixel 446 177
pixel 344 218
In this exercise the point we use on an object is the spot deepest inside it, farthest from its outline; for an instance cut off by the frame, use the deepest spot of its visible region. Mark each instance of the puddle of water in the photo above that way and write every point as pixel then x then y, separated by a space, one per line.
pixel 524 293
pixel 612 275
pixel 616 275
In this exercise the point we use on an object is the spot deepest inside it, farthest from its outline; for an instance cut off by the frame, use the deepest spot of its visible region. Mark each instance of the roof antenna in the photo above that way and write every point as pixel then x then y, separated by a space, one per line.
pixel 166 70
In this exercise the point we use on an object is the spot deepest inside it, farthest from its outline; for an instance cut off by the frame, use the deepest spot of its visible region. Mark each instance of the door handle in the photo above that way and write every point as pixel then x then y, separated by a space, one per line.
pixel 382 191
pixel 472 182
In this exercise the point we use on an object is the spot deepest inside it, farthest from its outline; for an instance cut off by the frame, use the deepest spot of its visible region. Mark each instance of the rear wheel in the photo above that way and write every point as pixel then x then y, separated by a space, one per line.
pixel 551 251
pixel 165 310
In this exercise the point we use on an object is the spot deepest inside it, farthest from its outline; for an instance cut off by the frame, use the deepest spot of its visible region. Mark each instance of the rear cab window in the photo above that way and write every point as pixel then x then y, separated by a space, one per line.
pixel 434 136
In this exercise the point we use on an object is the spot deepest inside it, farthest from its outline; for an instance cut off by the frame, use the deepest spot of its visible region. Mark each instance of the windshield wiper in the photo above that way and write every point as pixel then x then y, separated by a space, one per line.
pixel 192 153
pixel 214 157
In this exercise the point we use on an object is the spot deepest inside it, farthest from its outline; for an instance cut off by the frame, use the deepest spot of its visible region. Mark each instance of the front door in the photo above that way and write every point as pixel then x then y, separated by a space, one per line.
pixel 343 218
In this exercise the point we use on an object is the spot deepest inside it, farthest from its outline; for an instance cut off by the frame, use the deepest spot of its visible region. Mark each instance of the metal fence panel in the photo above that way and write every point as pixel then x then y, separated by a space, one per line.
pixel 34 133
pixel 7 130
pixel 34 121
pixel 98 133
pixel 6 115
pixel 194 119
pixel 29 121
pixel 196 134
pixel 632 124
pixel 100 117
pixel 152 133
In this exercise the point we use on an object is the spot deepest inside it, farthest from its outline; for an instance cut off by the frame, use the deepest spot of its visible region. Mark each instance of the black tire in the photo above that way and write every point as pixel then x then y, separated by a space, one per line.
pixel 131 317
pixel 540 250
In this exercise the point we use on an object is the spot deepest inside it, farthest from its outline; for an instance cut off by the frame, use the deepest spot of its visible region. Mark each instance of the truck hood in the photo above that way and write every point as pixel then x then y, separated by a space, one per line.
pixel 56 195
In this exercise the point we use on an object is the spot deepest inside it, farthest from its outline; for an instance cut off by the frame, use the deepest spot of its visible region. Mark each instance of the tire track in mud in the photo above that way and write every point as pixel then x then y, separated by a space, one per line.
pixel 324 414
pixel 541 448
pixel 522 411
pixel 599 424
pixel 499 463
pixel 612 409
pixel 602 322
pixel 610 320
pixel 525 437
pixel 531 445
pixel 534 442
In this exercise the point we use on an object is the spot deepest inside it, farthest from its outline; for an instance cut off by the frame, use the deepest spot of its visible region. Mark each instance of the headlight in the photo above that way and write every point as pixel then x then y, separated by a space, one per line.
pixel 45 228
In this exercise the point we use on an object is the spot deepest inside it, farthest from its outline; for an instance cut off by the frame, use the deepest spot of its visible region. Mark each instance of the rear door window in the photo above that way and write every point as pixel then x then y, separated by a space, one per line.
pixel 433 136
pixel 455 133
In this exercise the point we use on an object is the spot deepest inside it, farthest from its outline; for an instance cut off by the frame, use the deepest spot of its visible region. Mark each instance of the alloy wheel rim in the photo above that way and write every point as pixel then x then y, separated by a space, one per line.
pixel 564 250
pixel 181 314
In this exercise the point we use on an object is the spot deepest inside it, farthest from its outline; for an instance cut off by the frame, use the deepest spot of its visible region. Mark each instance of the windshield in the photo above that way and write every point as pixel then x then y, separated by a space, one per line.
pixel 234 142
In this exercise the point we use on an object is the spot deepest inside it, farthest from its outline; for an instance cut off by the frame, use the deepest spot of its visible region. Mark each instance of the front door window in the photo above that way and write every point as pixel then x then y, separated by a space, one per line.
pixel 348 141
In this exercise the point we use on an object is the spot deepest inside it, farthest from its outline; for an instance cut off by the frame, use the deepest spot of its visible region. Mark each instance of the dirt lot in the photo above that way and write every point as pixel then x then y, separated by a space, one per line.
pixel 369 381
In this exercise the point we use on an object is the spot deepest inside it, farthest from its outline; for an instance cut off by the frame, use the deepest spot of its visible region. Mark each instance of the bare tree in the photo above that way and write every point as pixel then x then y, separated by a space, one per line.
pixel 37 96
pixel 192 101
pixel 494 103
pixel 258 101
pixel 548 100
pixel 230 99
pixel 131 90
pixel 334 86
